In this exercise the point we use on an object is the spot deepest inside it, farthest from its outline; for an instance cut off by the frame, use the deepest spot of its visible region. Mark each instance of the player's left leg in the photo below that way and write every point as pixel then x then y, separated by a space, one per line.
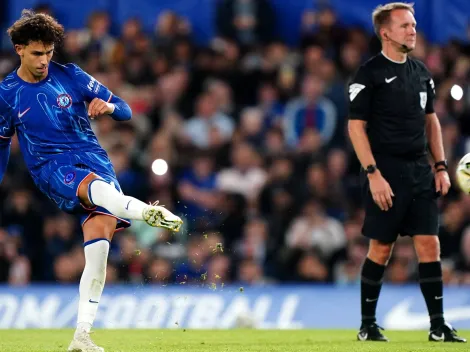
pixel 430 280
pixel 95 191
pixel 97 232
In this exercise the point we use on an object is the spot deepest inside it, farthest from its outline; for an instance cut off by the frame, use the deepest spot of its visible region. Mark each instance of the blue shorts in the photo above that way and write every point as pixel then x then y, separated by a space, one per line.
pixel 60 183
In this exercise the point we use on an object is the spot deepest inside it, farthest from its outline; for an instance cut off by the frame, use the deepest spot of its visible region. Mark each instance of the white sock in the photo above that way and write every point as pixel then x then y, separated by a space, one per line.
pixel 92 282
pixel 107 196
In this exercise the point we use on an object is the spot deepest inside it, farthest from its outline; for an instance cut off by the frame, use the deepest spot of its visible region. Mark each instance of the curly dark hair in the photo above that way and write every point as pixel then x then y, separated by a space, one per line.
pixel 36 27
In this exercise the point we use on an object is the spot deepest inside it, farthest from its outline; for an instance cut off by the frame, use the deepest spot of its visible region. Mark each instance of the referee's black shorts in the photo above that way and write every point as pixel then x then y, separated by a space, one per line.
pixel 414 210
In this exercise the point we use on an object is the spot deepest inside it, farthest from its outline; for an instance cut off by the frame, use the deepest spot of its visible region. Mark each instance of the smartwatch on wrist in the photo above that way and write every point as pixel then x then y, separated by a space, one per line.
pixel 442 163
pixel 370 169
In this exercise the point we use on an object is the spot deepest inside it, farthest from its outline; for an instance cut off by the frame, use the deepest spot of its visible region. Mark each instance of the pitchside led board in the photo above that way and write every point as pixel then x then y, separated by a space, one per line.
pixel 270 307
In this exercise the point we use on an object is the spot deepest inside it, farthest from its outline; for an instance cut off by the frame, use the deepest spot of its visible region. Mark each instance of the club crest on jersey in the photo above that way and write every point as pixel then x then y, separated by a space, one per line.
pixel 64 100
pixel 423 99
pixel 69 177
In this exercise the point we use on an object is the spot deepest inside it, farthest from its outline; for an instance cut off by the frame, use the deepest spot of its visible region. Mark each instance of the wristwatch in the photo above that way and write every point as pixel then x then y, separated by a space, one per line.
pixel 371 169
pixel 442 163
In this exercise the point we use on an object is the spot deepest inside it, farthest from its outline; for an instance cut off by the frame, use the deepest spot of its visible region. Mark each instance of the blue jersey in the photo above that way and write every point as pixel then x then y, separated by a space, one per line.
pixel 50 117
pixel 51 120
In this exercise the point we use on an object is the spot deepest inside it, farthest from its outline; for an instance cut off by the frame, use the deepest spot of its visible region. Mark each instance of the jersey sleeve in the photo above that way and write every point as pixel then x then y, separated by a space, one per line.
pixel 431 91
pixel 89 86
pixel 7 130
pixel 360 95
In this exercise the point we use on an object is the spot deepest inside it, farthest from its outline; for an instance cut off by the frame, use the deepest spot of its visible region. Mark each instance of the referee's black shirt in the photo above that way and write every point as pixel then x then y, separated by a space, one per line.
pixel 393 98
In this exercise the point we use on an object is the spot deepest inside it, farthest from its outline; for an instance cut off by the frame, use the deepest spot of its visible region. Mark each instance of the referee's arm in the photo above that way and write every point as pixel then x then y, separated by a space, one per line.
pixel 434 137
pixel 433 131
pixel 433 126
pixel 360 142
pixel 360 97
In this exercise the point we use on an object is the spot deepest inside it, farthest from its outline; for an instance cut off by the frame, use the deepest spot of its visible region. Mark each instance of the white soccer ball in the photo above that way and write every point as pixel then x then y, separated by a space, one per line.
pixel 463 174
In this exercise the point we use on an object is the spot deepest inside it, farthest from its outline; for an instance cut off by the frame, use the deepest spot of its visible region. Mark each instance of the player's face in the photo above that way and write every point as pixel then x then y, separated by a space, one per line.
pixel 35 57
pixel 403 28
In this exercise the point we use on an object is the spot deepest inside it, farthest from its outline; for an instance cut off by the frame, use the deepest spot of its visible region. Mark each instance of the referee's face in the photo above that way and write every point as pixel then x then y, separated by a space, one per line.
pixel 402 28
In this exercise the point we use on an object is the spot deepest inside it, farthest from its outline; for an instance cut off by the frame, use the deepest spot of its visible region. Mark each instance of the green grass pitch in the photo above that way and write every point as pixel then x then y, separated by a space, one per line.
pixel 180 340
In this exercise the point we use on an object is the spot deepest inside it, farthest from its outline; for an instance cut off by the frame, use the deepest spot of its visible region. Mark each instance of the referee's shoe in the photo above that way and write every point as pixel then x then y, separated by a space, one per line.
pixel 445 333
pixel 371 332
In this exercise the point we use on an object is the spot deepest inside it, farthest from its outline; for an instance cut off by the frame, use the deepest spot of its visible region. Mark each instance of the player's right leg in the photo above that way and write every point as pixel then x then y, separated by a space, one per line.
pixel 95 191
pixel 97 232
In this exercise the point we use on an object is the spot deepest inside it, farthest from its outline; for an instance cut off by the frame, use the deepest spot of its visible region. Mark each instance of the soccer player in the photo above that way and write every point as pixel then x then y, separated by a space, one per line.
pixel 392 124
pixel 49 106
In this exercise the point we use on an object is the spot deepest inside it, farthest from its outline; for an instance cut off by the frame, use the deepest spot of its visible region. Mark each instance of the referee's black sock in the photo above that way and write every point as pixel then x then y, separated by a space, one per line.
pixel 371 283
pixel 430 281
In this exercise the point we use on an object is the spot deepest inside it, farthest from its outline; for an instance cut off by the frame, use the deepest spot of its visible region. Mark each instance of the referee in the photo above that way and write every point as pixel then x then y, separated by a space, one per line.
pixel 392 124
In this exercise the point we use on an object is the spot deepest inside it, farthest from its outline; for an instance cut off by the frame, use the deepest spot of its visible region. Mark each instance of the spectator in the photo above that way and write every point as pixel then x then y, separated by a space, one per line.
pixel 218 271
pixel 246 177
pixel 249 22
pixel 310 111
pixel 198 193
pixel 250 273
pixel 348 271
pixel 209 128
pixel 159 271
pixel 97 40
pixel 315 229
pixel 253 244
pixel 169 26
pixel 310 268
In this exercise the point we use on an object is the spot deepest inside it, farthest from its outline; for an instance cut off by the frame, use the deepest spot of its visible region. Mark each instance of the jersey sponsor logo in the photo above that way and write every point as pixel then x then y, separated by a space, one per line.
pixel 423 99
pixel 69 177
pixel 91 84
pixel 354 90
pixel 21 114
pixel 64 100
pixel 388 80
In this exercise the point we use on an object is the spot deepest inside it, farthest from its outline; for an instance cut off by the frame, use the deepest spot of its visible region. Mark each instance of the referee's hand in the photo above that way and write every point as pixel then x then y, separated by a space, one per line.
pixel 381 191
pixel 442 180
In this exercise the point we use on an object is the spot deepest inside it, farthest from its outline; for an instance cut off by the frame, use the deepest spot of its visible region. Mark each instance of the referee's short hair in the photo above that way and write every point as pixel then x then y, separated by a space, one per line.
pixel 381 14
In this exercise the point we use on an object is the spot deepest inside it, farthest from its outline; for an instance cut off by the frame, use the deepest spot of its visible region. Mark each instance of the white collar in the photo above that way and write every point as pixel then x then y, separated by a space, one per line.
pixel 397 62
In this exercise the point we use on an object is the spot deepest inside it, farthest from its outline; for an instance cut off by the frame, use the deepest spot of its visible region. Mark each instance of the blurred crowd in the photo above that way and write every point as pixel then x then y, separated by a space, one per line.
pixel 260 165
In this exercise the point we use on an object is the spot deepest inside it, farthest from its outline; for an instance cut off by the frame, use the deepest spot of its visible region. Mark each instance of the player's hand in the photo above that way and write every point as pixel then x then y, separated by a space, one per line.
pixel 99 107
pixel 442 182
pixel 381 191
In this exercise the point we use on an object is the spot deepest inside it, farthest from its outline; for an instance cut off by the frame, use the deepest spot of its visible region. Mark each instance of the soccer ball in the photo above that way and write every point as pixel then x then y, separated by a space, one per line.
pixel 463 174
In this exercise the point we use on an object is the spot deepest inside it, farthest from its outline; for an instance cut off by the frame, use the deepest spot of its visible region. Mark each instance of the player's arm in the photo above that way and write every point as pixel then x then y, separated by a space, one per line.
pixel 101 100
pixel 117 108
pixel 6 132
pixel 360 97
pixel 5 144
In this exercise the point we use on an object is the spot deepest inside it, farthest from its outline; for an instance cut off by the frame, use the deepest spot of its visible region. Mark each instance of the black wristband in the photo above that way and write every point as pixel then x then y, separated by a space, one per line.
pixel 439 170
